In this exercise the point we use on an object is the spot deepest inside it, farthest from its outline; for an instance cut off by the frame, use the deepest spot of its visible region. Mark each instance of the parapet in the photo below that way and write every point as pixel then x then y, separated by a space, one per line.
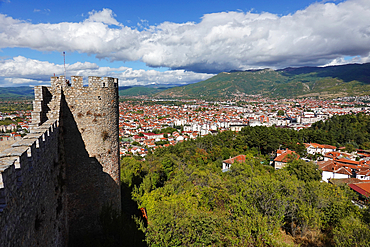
pixel 77 82
pixel 32 191
pixel 25 154
pixel 109 82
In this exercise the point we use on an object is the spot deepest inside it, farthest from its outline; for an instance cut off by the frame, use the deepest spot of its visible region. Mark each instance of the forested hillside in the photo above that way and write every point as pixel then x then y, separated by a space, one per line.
pixel 347 130
pixel 192 203
pixel 189 201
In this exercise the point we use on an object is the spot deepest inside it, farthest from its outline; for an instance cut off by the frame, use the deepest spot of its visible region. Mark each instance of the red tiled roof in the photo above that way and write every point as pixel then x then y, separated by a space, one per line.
pixel 343 170
pixel 239 158
pixel 317 145
pixel 351 162
pixel 365 172
pixel 329 146
pixel 362 188
pixel 324 164
pixel 284 156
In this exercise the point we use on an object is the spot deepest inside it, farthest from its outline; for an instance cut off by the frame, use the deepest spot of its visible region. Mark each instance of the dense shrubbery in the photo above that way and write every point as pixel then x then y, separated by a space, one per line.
pixel 193 203
pixel 190 202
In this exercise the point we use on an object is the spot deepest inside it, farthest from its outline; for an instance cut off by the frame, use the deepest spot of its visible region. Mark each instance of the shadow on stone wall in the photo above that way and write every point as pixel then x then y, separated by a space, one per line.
pixel 118 229
pixel 88 186
pixel 129 210
pixel 47 96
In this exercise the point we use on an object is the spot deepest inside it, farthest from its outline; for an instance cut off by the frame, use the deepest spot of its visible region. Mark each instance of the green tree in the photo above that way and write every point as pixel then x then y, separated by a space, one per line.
pixel 156 131
pixel 350 148
pixel 280 113
pixel 306 171
pixel 351 232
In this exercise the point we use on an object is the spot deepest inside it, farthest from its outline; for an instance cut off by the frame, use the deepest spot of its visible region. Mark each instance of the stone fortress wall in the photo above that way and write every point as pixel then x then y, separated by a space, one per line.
pixel 54 182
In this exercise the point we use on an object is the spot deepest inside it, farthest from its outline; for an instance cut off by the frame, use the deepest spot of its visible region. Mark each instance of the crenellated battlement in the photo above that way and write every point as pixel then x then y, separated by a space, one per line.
pixel 77 82
pixel 26 152
pixel 55 180
pixel 30 189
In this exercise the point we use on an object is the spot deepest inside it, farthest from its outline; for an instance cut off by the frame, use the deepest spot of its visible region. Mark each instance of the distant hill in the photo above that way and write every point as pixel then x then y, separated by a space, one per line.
pixel 325 82
pixel 136 91
pixel 28 92
pixel 16 92
pixel 143 90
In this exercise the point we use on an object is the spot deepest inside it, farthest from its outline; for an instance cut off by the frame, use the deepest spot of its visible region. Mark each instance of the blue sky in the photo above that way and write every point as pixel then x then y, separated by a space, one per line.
pixel 165 42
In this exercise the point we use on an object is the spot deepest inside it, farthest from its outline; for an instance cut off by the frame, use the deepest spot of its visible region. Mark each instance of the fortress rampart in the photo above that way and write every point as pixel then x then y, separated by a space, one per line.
pixel 54 182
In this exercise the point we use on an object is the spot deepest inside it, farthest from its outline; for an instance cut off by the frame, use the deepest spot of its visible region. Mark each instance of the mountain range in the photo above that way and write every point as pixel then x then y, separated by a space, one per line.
pixel 16 92
pixel 28 92
pixel 322 82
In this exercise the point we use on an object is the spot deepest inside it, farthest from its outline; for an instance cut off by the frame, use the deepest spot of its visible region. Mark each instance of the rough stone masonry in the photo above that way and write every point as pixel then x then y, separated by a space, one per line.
pixel 55 181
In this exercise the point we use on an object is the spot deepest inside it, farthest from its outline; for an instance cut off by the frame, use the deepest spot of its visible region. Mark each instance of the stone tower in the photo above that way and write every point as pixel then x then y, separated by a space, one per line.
pixel 55 181
pixel 89 145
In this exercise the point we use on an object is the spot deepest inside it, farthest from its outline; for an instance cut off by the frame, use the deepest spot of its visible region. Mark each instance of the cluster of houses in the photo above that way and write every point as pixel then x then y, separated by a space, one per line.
pixel 11 133
pixel 200 118
pixel 138 122
pixel 15 129
pixel 8 128
pixel 282 157
pixel 336 166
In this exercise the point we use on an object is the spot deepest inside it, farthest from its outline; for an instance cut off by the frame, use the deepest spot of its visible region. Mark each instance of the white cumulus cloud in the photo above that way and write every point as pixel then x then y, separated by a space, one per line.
pixel 317 35
pixel 105 16
pixel 21 70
